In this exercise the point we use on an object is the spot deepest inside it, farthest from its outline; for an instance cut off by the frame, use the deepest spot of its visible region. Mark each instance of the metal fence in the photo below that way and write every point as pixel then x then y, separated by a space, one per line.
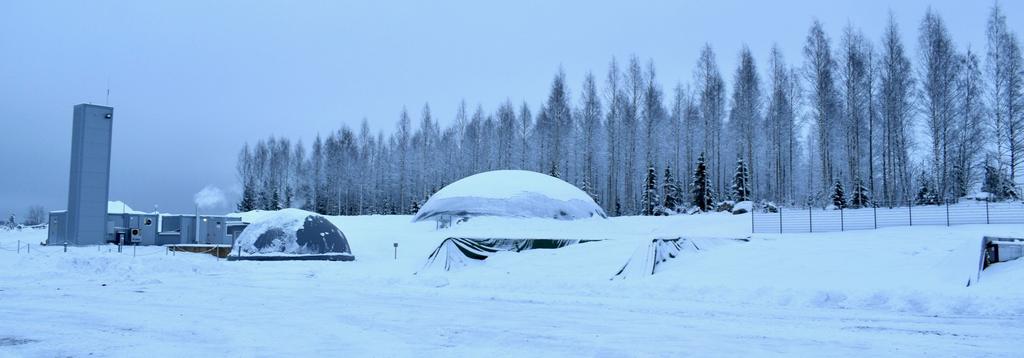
pixel 798 220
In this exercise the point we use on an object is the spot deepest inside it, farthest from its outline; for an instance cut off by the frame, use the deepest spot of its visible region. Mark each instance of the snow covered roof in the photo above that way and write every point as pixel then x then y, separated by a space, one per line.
pixel 511 193
pixel 119 207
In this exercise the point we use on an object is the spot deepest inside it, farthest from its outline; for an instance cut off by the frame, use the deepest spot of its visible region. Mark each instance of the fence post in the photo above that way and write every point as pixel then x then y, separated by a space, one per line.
pixel 780 219
pixel 810 218
pixel 986 212
pixel 842 223
pixel 752 218
pixel 65 246
pixel 874 214
pixel 910 209
pixel 947 212
pixel 19 246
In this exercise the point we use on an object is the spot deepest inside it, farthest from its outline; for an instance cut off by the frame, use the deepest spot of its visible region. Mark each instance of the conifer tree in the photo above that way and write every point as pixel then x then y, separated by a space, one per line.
pixel 649 198
pixel 289 194
pixel 263 201
pixel 741 181
pixel 993 182
pixel 248 202
pixel 1009 191
pixel 321 200
pixel 703 195
pixel 861 198
pixel 838 195
pixel 926 195
pixel 275 201
pixel 671 190
pixel 998 184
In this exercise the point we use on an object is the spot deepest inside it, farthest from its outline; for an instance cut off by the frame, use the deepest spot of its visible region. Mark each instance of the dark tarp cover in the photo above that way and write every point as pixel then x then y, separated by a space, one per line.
pixel 647 259
pixel 454 253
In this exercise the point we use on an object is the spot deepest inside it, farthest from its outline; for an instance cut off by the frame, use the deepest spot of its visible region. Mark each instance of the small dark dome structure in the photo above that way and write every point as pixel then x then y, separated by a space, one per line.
pixel 292 234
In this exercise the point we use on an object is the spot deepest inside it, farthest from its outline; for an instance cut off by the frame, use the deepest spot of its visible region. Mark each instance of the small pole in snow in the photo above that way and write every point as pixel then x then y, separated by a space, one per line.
pixel 196 239
pixel 396 251
pixel 133 250
pixel 752 219
pixel 947 212
pixel 239 251
pixel 842 224
pixel 65 246
pixel 986 211
pixel 874 213
pixel 910 210
pixel 780 219
pixel 19 246
pixel 810 218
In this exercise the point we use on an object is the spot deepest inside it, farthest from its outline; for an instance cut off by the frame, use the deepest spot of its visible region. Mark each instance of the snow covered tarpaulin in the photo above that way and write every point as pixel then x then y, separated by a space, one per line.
pixel 455 253
pixel 648 257
pixel 510 193
pixel 292 234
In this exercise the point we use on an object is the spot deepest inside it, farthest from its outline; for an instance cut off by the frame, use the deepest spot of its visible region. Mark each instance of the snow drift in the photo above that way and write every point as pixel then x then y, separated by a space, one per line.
pixel 510 193
pixel 292 232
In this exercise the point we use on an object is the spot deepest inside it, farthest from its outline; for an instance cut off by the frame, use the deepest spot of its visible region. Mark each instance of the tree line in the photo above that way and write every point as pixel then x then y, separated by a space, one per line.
pixel 848 115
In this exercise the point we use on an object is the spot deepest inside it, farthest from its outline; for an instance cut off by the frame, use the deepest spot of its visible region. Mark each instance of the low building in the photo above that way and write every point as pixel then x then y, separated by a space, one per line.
pixel 208 229
pixel 139 228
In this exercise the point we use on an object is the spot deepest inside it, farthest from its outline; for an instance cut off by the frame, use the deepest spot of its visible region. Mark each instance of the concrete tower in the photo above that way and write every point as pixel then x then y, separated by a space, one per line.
pixel 89 180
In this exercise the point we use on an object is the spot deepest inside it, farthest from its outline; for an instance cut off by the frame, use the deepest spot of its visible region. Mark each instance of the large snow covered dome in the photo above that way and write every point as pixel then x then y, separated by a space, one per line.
pixel 292 232
pixel 510 193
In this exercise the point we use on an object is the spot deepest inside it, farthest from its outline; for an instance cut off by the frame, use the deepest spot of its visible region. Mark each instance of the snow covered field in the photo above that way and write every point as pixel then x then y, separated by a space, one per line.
pixel 893 291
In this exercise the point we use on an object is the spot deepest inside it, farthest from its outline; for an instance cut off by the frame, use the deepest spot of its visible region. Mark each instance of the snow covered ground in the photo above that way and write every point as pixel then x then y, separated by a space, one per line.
pixel 892 291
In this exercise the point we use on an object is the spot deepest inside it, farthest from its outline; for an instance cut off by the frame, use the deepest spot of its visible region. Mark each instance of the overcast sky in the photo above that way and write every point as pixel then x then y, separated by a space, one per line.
pixel 191 81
